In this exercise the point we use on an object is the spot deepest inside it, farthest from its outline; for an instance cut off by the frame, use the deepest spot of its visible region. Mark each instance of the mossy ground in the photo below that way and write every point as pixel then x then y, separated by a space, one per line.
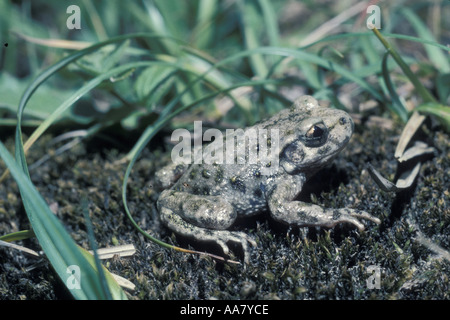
pixel 287 263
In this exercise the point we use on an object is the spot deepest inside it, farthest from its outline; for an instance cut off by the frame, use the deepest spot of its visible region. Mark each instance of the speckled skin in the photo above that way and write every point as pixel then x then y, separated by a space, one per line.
pixel 207 198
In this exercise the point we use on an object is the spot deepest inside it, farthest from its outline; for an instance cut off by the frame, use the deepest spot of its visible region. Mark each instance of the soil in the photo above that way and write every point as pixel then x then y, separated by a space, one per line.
pixel 387 261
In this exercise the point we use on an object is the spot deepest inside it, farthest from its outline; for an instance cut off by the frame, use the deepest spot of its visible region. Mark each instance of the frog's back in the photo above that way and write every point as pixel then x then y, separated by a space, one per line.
pixel 241 186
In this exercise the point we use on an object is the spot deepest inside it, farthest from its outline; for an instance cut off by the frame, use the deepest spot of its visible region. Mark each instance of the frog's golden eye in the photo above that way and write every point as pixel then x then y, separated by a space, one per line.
pixel 316 135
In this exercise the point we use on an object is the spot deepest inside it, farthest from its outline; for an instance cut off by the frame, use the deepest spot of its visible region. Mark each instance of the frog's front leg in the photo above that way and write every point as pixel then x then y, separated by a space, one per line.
pixel 284 209
pixel 203 218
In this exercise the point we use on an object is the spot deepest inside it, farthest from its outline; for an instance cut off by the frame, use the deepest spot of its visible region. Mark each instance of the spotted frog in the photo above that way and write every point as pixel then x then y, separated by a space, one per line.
pixel 205 199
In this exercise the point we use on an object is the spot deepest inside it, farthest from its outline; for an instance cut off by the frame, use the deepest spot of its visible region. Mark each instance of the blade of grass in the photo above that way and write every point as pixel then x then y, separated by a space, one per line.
pixel 250 17
pixel 154 82
pixel 20 248
pixel 423 92
pixel 58 246
pixel 98 265
pixel 396 106
pixel 204 30
pixel 56 43
pixel 157 24
pixel 441 112
pixel 326 64
pixel 442 87
pixel 96 21
pixel 80 93
pixel 270 21
pixel 341 36
pixel 19 235
pixel 437 57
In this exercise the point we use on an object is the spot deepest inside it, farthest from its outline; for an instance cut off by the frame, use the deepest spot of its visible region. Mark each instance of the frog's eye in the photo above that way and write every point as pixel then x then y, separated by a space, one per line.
pixel 316 135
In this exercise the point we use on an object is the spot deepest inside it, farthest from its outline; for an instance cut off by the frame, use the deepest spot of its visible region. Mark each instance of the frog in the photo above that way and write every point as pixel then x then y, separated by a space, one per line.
pixel 204 200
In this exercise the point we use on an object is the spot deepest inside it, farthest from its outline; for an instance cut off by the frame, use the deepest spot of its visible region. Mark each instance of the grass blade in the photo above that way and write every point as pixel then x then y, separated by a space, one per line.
pixel 424 93
pixel 104 285
pixel 19 235
pixel 436 56
pixel 441 112
pixel 396 106
pixel 249 18
pixel 77 95
pixel 58 246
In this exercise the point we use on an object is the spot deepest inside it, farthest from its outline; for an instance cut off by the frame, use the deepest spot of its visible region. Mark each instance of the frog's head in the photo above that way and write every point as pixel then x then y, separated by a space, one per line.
pixel 316 137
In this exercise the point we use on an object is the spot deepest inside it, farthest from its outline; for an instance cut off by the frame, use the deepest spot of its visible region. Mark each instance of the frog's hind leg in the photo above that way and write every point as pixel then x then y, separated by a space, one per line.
pixel 211 212
pixel 202 218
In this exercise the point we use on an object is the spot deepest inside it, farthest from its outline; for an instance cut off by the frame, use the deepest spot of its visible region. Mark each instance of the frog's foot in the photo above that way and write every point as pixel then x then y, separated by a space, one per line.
pixel 352 216
pixel 221 237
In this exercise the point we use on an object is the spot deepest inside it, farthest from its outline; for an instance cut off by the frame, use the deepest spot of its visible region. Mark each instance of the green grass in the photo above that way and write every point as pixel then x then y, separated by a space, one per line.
pixel 58 246
pixel 154 61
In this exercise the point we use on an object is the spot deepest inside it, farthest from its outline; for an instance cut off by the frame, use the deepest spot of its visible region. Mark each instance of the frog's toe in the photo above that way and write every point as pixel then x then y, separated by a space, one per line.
pixel 223 245
pixel 223 236
pixel 364 215
pixel 352 216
